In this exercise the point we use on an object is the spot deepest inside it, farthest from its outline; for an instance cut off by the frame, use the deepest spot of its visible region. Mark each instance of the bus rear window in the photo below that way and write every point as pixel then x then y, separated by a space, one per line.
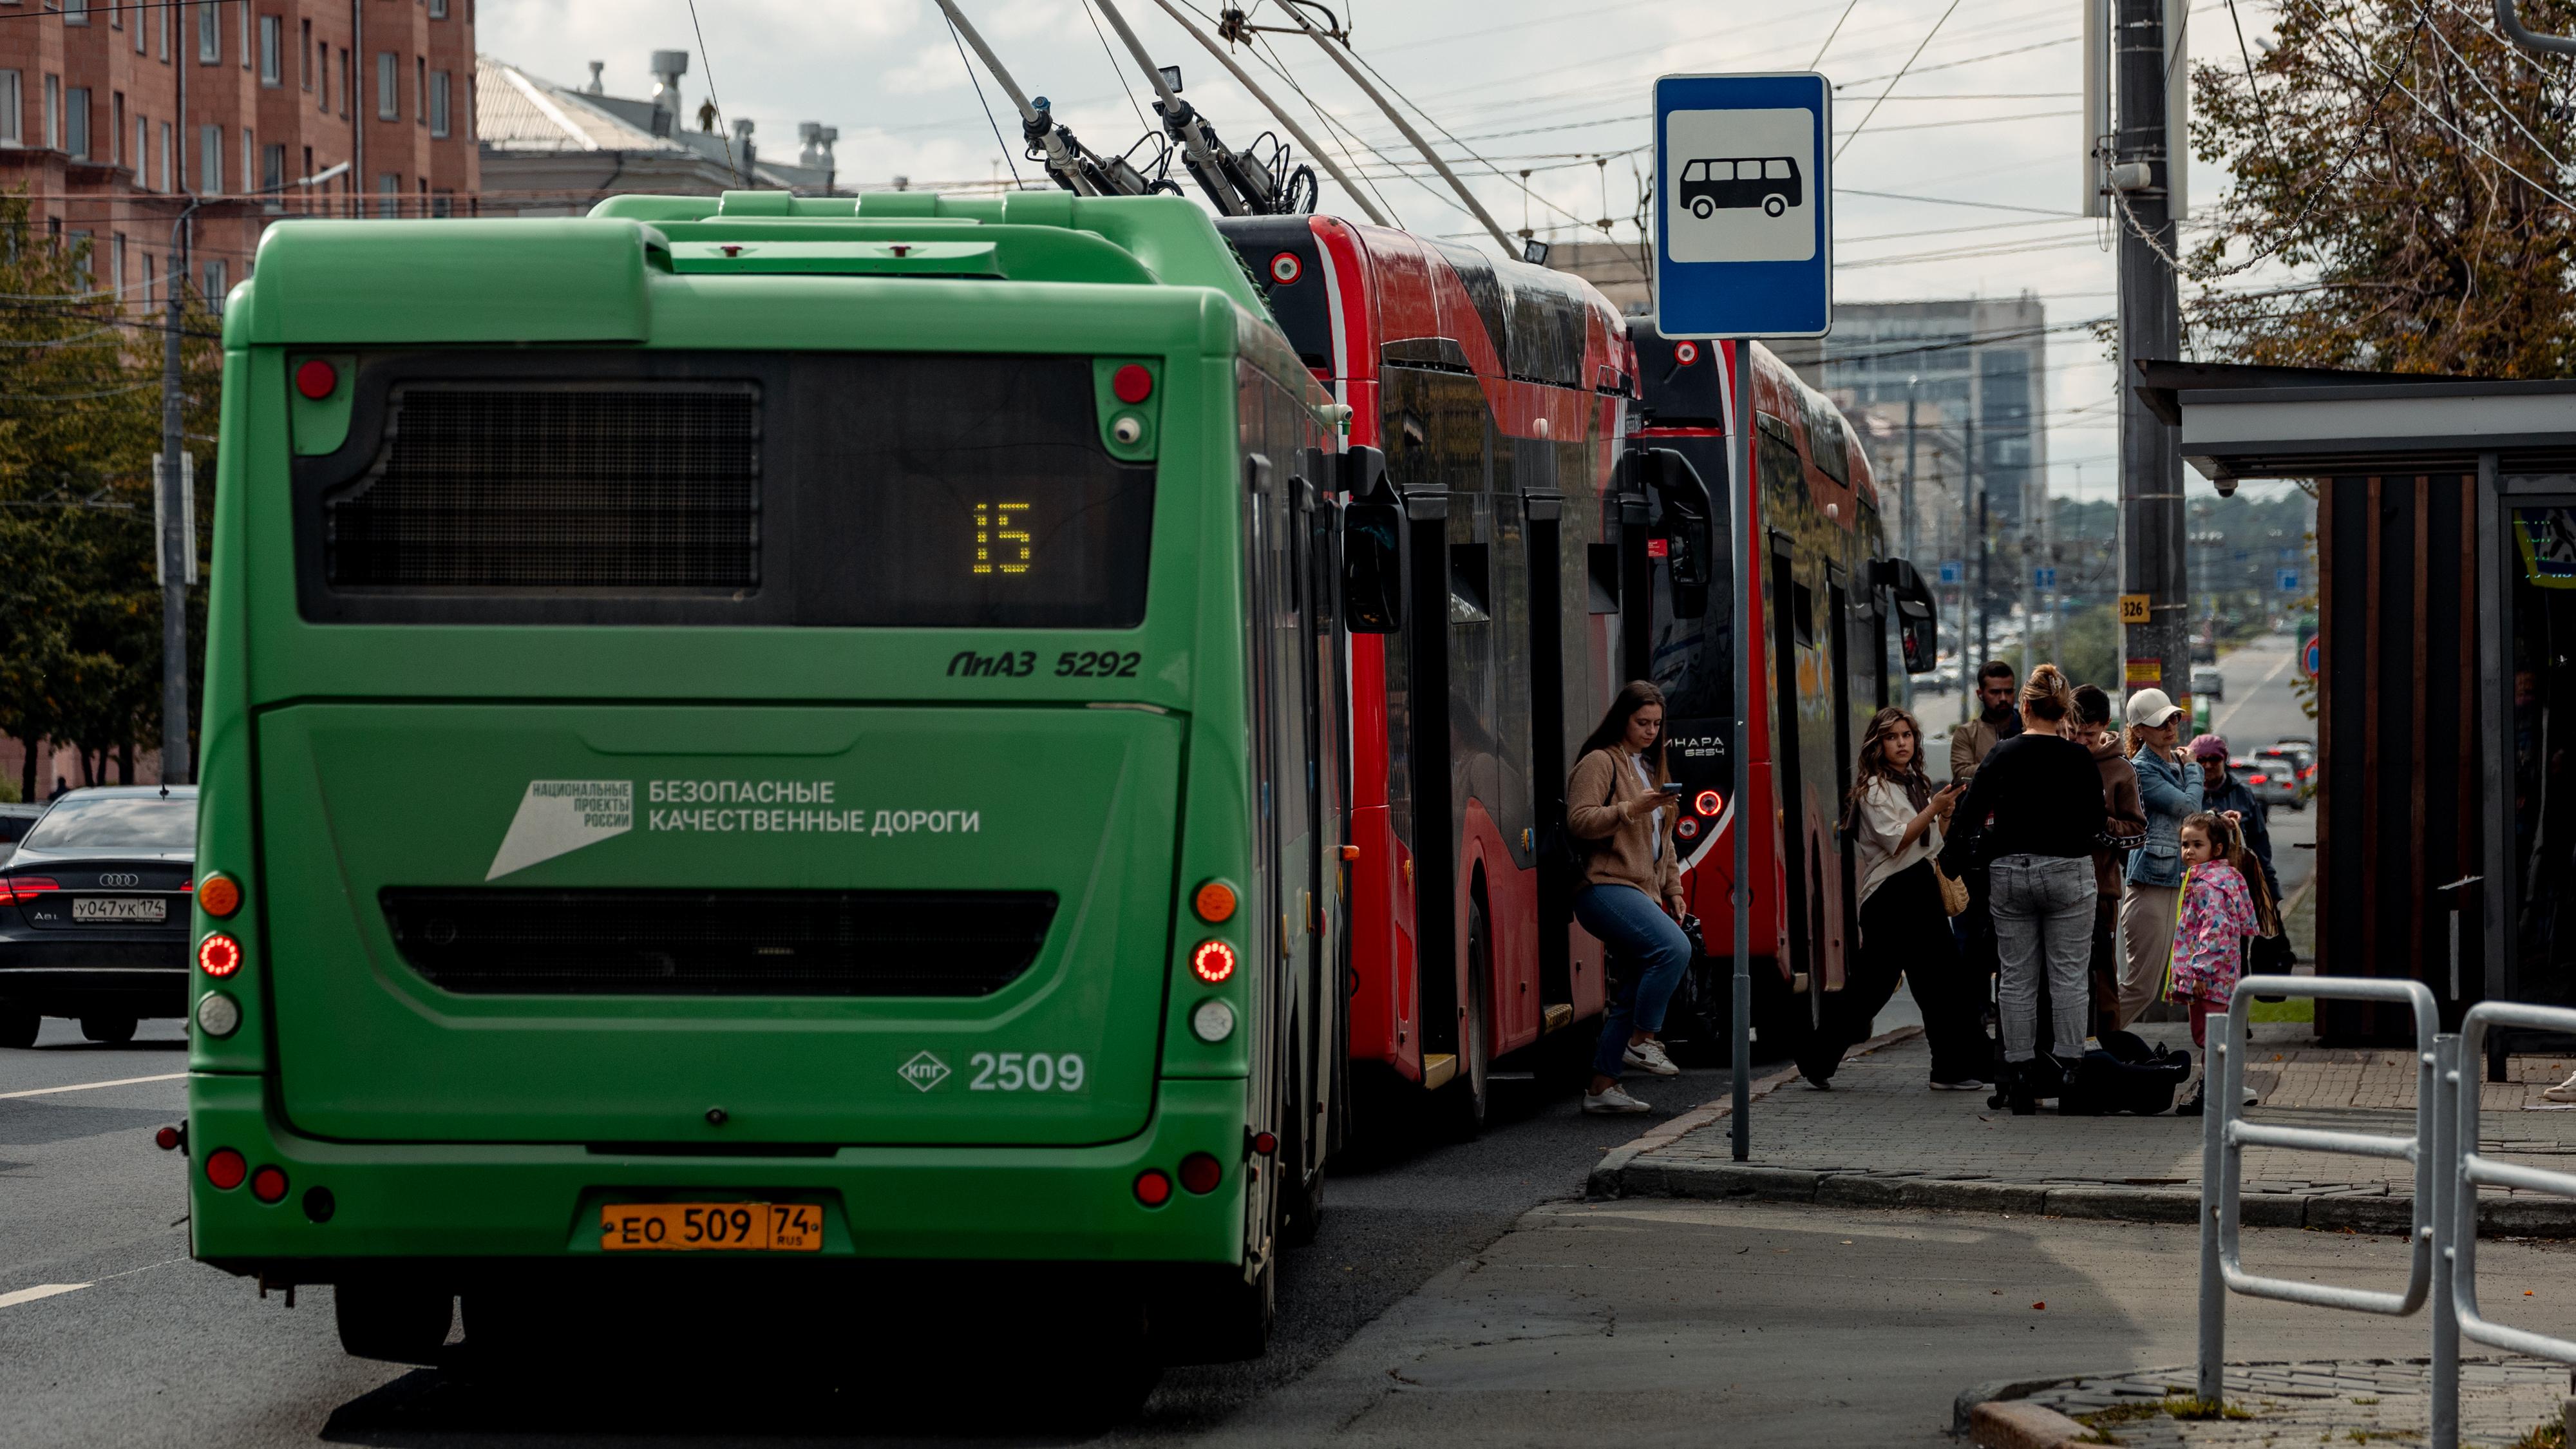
pixel 822 489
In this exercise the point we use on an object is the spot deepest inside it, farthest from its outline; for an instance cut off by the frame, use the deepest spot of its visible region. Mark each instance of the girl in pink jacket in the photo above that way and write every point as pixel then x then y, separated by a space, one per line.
pixel 2221 910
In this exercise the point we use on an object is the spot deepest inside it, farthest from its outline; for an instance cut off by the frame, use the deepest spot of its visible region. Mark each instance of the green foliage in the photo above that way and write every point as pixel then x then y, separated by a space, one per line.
pixel 80 418
pixel 2392 164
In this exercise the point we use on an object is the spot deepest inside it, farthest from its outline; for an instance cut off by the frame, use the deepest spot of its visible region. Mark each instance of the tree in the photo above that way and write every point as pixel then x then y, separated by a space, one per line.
pixel 80 419
pixel 2397 166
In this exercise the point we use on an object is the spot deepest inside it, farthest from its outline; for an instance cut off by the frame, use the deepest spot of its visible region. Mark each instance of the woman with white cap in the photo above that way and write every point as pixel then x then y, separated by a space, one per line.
pixel 2152 896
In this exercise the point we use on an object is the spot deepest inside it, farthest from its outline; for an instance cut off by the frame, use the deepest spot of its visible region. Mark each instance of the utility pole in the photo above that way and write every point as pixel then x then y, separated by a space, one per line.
pixel 178 541
pixel 2151 512
pixel 1907 530
pixel 1985 578
pixel 1974 500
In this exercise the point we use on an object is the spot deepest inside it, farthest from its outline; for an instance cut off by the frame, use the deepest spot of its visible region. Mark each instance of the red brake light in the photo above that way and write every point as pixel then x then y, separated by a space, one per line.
pixel 1709 802
pixel 1265 1143
pixel 225 1168
pixel 1153 1189
pixel 1212 962
pixel 317 379
pixel 268 1184
pixel 219 955
pixel 168 1139
pixel 1132 384
pixel 24 888
pixel 1200 1173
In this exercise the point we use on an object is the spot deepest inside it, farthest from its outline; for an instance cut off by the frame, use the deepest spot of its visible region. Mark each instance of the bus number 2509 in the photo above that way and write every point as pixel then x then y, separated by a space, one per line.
pixel 1025 1072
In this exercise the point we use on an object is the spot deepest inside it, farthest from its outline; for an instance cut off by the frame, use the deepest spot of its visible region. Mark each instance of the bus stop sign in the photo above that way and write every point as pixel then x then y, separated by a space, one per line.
pixel 1743 205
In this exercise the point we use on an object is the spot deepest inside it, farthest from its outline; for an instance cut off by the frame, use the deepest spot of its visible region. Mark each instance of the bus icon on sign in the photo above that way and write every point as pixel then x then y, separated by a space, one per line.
pixel 1769 182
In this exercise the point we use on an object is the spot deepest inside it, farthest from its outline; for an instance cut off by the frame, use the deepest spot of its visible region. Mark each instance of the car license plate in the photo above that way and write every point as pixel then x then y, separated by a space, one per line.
pixel 120 908
pixel 682 1227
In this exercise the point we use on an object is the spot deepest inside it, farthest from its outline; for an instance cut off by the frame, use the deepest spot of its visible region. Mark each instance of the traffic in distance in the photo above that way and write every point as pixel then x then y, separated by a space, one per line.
pixel 759 740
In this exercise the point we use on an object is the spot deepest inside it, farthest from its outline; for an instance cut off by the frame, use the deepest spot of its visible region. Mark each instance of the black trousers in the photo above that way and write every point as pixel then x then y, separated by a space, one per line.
pixel 1905 932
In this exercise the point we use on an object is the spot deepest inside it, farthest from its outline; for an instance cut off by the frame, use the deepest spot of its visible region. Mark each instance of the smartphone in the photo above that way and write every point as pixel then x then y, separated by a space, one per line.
pixel 1676 789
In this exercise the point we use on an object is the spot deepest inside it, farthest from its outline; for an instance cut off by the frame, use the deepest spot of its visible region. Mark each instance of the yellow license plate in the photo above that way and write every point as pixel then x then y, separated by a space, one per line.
pixel 682 1227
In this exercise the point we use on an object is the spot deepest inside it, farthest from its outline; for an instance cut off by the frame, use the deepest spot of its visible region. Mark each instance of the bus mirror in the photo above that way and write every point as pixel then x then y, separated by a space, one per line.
pixel 1373 552
pixel 1685 523
pixel 1918 624
pixel 1373 565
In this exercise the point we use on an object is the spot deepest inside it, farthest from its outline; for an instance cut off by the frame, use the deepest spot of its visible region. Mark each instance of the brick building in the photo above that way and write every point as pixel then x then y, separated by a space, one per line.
pixel 112 115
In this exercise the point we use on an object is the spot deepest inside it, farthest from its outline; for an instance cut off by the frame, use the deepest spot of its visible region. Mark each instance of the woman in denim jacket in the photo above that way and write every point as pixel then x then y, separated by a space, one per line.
pixel 2152 898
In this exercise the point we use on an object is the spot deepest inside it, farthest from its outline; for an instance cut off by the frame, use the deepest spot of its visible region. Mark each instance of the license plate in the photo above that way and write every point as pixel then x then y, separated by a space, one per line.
pixel 120 908
pixel 683 1227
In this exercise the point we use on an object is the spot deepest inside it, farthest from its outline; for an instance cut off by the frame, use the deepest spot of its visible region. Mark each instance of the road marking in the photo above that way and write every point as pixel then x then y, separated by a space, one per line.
pixel 90 1086
pixel 2219 724
pixel 41 1290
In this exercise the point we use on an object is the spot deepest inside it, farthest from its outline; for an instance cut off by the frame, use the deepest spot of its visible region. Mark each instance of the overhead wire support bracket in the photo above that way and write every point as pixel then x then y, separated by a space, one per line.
pixel 1287 123
pixel 1234 25
pixel 2511 24
pixel 1341 58
pixel 1064 159
pixel 1218 171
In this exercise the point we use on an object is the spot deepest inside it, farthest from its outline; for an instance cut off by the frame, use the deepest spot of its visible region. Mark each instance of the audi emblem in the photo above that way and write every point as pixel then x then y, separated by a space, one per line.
pixel 120 880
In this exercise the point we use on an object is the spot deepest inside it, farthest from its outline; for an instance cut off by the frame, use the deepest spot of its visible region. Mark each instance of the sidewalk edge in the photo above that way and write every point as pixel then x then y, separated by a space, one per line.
pixel 1612 1176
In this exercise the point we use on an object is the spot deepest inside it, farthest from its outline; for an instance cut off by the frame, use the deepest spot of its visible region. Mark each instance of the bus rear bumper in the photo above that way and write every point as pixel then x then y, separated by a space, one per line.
pixel 477 1208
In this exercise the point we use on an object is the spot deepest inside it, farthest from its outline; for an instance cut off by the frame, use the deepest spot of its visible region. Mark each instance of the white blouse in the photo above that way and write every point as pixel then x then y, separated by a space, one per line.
pixel 1884 813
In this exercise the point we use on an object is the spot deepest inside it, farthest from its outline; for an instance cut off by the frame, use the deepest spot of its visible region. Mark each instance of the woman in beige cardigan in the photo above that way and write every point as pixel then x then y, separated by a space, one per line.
pixel 1632 893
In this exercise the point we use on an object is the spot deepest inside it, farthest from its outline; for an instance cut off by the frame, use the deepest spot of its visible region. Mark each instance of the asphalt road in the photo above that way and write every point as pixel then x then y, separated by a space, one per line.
pixel 154 1349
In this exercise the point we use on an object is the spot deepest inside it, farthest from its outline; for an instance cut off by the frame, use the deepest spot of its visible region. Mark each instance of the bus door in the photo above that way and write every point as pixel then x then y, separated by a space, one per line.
pixel 1838 639
pixel 1317 1040
pixel 1791 631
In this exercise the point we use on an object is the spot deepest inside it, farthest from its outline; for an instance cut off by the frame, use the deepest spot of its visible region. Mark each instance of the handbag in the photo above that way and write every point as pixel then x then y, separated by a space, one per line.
pixel 1954 893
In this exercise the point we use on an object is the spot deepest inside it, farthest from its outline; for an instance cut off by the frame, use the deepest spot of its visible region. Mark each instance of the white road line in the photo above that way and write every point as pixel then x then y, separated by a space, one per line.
pixel 90 1086
pixel 2218 726
pixel 41 1290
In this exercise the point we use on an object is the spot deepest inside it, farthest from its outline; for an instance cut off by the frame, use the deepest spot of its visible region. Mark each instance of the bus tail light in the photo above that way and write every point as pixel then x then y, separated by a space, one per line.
pixel 1709 802
pixel 1201 1172
pixel 269 1184
pixel 1212 962
pixel 1132 384
pixel 24 888
pixel 1153 1188
pixel 219 895
pixel 219 955
pixel 1214 902
pixel 317 379
pixel 225 1168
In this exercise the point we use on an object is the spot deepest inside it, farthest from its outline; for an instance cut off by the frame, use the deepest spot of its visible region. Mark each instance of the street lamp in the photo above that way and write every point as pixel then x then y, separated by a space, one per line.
pixel 178 528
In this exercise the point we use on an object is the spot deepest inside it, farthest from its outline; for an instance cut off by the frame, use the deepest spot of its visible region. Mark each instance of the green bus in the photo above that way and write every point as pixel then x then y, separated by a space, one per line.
pixel 769 740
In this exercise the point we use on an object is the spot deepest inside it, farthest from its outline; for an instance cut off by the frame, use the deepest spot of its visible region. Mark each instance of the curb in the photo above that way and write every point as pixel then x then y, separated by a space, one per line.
pixel 2012 1424
pixel 1609 1177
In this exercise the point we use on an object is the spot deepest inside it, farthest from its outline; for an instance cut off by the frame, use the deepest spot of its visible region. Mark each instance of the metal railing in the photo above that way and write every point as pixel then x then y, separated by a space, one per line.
pixel 2442 1235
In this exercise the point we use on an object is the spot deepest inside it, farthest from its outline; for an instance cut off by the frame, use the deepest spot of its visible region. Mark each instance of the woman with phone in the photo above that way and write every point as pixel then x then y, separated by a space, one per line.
pixel 1895 818
pixel 1620 802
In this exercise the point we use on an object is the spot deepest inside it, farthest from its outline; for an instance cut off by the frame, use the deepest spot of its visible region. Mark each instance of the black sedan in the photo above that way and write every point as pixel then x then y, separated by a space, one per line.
pixel 94 913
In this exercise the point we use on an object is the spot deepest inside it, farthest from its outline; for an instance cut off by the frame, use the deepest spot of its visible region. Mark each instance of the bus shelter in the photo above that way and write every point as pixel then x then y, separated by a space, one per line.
pixel 2446 720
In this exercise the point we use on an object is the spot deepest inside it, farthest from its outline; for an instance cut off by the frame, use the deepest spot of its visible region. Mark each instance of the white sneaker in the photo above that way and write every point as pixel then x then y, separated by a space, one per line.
pixel 1964 1084
pixel 1648 1056
pixel 2564 1092
pixel 2249 1097
pixel 1613 1103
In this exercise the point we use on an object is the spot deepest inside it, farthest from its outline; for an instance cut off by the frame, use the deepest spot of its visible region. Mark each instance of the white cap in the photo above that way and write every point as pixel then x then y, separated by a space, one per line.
pixel 2152 707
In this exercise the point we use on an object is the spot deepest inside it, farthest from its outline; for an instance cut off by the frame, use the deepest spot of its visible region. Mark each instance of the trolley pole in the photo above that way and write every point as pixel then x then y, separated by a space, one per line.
pixel 2151 554
pixel 1740 1050
pixel 1908 494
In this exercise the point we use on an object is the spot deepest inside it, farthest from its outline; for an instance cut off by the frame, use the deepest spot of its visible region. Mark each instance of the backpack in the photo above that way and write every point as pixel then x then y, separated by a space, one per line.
pixel 1562 854
pixel 2124 1074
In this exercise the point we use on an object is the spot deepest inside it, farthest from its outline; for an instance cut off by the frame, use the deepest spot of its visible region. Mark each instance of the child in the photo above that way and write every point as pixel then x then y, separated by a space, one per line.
pixel 2219 914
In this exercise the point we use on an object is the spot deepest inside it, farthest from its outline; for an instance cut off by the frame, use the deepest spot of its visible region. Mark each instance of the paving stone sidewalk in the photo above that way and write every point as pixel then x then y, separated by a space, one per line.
pixel 1881 1138
pixel 2282 1405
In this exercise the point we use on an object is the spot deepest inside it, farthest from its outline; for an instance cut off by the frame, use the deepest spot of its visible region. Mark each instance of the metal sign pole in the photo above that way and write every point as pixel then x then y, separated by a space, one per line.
pixel 1740 1050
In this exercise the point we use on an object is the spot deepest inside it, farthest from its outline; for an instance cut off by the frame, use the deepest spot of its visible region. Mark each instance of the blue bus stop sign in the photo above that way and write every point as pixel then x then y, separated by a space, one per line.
pixel 1953 573
pixel 1743 205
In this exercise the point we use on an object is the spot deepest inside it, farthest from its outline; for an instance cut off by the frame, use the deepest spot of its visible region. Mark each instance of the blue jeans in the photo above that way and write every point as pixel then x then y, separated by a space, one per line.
pixel 1652 954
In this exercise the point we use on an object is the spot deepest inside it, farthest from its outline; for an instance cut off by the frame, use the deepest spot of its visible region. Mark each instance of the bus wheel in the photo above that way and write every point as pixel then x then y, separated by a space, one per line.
pixel 18 1027
pixel 1301 1205
pixel 396 1320
pixel 113 1030
pixel 1470 1093
pixel 1105 1378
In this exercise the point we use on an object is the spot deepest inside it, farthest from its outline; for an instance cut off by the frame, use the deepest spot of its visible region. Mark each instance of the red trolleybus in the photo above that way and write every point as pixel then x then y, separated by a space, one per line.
pixel 1835 625
pixel 1494 394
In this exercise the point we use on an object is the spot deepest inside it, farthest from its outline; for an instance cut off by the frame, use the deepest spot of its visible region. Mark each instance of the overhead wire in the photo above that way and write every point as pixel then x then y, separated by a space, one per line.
pixel 979 100
pixel 1854 133
pixel 1114 67
pixel 713 104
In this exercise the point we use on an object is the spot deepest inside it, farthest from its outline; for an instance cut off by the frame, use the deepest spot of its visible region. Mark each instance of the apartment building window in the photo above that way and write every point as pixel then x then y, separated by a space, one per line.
pixel 80 256
pixel 150 281
pixel 308 162
pixel 272 168
pixel 116 262
pixel 438 9
pixel 272 50
pixel 420 90
pixel 245 33
pixel 388 86
pixel 322 69
pixel 141 41
pixel 53 113
pixel 116 126
pixel 10 103
pixel 442 204
pixel 167 183
pixel 210 34
pixel 76 123
pixel 217 283
pixel 250 158
pixel 75 12
pixel 441 85
pixel 210 160
pixel 304 55
pixel 142 150
pixel 389 194
pixel 344 80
